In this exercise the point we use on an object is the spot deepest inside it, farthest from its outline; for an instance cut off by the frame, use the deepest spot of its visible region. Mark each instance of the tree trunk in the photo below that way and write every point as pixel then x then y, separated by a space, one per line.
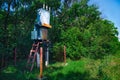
pixel 6 33
pixel 15 55
pixel 2 64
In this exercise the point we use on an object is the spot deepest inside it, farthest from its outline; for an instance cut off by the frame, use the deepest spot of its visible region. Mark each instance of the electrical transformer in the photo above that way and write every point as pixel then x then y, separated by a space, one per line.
pixel 42 25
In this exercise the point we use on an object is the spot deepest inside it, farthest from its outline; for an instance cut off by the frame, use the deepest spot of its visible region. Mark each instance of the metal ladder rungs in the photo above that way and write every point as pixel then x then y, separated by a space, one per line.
pixel 32 56
pixel 33 51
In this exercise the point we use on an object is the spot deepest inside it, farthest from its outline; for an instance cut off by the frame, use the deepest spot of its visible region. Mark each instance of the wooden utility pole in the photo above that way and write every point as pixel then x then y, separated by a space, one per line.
pixel 64 54
pixel 41 62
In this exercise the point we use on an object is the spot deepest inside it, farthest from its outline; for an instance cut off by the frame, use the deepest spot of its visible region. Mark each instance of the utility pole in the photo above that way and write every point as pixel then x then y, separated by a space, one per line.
pixel 41 62
pixel 64 54
pixel 40 35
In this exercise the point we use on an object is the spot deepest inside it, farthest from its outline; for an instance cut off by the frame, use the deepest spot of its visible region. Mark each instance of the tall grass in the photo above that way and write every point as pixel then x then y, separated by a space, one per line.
pixel 105 69
pixel 83 69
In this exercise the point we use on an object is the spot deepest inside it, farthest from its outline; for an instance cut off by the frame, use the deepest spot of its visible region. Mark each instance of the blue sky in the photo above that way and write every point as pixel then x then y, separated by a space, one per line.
pixel 110 10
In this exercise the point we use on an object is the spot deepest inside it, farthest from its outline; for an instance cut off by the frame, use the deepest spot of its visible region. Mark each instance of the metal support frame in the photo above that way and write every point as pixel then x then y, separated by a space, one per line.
pixel 47 56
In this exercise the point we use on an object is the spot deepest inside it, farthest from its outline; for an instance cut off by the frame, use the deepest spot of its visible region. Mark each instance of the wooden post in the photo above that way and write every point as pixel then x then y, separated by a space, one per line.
pixel 64 54
pixel 41 62
pixel 2 65
pixel 15 56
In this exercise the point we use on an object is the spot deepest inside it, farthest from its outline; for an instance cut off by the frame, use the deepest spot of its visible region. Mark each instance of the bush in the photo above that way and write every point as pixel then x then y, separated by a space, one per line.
pixel 71 38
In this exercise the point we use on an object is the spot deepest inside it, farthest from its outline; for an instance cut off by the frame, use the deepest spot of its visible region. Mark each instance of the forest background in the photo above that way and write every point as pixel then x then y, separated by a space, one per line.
pixel 75 24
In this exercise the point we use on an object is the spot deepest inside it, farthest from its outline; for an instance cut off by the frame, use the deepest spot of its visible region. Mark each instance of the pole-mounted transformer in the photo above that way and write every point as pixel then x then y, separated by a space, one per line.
pixel 39 35
pixel 40 32
pixel 42 24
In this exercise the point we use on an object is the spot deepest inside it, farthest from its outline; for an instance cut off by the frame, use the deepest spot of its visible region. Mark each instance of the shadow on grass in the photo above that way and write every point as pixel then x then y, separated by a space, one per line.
pixel 18 72
pixel 17 76
pixel 22 74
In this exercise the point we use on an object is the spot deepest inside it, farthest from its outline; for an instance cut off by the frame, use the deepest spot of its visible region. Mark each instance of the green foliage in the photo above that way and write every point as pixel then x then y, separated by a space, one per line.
pixel 18 72
pixel 75 24
pixel 71 38
pixel 84 69
pixel 72 71
pixel 81 29
pixel 103 40
pixel 99 69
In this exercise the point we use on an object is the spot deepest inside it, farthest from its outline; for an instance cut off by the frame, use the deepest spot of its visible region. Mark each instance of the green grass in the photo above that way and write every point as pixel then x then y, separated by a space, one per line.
pixel 104 69
pixel 74 70
pixel 84 69
pixel 18 72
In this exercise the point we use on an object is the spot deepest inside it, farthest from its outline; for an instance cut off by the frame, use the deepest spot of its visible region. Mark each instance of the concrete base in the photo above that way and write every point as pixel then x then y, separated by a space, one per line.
pixel 66 64
pixel 38 60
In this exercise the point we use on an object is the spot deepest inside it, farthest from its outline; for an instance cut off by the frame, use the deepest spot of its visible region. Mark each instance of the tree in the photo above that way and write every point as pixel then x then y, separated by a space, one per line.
pixel 17 18
pixel 85 33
